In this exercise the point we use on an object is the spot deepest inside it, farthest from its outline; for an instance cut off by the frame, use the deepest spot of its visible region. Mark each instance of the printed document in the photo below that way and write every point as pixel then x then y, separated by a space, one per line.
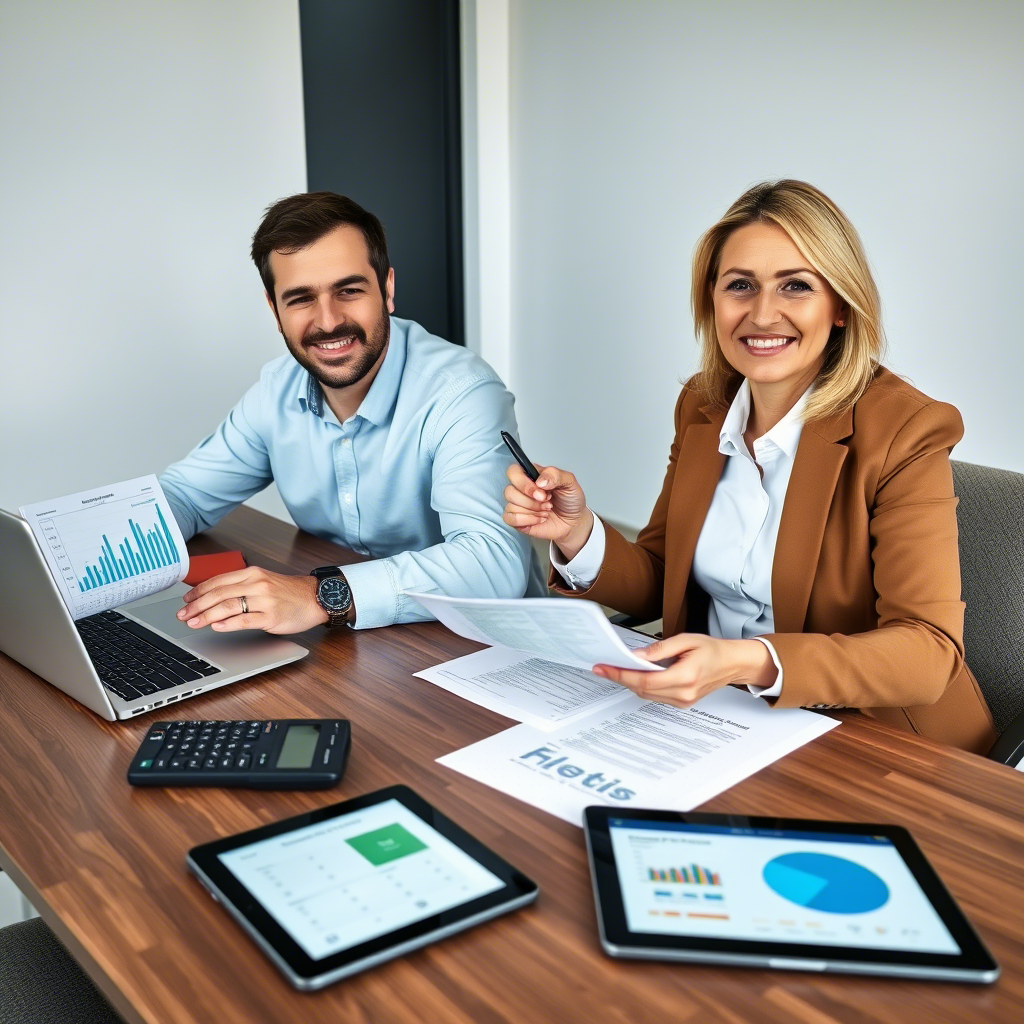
pixel 541 693
pixel 573 633
pixel 110 545
pixel 638 753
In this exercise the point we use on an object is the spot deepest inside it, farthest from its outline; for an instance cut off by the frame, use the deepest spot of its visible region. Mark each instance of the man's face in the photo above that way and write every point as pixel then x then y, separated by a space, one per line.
pixel 329 307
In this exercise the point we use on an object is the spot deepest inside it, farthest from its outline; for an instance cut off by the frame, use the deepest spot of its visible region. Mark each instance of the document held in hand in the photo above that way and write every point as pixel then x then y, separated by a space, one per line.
pixel 533 690
pixel 575 633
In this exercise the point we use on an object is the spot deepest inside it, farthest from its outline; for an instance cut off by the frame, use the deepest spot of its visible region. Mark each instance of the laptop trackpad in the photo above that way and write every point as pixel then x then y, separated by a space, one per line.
pixel 162 615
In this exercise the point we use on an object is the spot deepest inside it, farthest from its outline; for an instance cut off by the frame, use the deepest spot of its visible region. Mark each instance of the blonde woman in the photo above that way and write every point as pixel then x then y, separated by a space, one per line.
pixel 805 541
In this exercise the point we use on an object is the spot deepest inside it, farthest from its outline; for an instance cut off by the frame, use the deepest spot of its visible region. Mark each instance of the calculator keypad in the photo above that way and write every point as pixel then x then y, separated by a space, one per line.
pixel 207 746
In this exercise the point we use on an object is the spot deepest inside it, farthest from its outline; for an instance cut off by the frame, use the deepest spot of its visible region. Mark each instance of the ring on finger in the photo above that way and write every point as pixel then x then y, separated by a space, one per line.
pixel 245 606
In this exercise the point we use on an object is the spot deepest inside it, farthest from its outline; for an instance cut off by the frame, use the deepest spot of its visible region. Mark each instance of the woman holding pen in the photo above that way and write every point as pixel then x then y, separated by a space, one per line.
pixel 804 544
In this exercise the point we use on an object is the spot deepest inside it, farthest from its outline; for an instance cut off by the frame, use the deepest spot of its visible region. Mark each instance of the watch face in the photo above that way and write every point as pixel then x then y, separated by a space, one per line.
pixel 334 594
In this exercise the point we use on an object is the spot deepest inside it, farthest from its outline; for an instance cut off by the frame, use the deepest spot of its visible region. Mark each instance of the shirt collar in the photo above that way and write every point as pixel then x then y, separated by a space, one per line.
pixel 785 435
pixel 311 397
pixel 376 406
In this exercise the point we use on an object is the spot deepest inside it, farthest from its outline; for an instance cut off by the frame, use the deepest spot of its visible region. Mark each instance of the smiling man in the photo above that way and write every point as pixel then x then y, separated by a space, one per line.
pixel 380 437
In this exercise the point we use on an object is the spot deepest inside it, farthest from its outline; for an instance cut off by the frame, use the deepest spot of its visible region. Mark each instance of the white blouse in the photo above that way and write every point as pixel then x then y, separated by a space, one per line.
pixel 735 551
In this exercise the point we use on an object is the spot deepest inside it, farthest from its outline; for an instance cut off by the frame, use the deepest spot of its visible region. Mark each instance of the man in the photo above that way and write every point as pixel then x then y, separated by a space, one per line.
pixel 380 437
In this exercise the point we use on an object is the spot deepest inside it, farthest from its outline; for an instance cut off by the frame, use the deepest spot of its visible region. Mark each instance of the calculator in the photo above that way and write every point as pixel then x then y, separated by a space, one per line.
pixel 297 753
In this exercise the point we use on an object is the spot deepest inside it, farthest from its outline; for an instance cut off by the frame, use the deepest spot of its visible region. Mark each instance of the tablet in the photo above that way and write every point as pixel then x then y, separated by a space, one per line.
pixel 776 892
pixel 345 887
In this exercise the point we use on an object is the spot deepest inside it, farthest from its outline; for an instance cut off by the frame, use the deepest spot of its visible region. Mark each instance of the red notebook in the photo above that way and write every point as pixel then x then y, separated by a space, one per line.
pixel 204 567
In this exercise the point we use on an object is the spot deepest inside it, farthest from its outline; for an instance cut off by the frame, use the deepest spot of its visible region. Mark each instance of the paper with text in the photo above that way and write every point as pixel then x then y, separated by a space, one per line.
pixel 573 633
pixel 639 753
pixel 540 693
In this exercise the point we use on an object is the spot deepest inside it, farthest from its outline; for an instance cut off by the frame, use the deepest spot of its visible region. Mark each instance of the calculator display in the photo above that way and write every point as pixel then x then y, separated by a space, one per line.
pixel 299 746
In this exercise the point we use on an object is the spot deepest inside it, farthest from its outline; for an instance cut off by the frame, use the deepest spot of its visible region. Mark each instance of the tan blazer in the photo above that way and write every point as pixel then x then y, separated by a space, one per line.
pixel 866 578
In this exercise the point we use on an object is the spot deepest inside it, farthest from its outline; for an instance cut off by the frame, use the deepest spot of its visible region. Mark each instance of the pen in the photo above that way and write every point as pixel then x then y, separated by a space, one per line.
pixel 520 456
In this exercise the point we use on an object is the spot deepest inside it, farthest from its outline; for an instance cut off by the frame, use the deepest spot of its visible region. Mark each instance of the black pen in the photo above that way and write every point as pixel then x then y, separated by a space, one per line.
pixel 520 456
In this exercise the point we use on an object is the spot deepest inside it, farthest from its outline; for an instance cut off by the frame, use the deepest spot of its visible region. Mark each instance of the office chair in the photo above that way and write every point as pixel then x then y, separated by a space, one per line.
pixel 40 983
pixel 990 517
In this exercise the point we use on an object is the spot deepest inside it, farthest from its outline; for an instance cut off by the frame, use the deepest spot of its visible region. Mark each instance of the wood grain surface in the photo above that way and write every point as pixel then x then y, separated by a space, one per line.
pixel 104 863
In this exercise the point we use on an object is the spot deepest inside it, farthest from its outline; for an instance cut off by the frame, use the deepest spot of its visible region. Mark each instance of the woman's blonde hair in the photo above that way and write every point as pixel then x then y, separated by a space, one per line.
pixel 829 242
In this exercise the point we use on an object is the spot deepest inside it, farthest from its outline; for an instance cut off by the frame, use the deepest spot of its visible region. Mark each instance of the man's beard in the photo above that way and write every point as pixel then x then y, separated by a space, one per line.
pixel 365 353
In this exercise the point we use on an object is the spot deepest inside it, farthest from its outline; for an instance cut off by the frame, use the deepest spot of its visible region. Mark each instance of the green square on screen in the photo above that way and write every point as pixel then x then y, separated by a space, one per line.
pixel 384 844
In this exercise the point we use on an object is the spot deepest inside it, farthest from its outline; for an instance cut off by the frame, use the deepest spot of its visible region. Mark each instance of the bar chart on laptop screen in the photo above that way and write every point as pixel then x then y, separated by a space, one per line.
pixel 109 547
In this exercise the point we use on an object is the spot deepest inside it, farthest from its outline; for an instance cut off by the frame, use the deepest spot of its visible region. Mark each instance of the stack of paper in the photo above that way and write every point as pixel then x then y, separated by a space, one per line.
pixel 585 739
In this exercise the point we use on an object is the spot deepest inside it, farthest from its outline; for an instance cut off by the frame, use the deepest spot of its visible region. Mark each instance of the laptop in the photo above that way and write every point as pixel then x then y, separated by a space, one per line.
pixel 125 661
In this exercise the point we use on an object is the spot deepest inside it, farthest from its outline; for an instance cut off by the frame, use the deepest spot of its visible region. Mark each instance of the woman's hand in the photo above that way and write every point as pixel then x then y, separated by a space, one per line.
pixel 702 664
pixel 552 508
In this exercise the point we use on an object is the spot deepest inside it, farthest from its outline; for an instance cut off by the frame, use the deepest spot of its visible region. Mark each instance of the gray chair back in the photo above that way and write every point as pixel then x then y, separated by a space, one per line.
pixel 990 517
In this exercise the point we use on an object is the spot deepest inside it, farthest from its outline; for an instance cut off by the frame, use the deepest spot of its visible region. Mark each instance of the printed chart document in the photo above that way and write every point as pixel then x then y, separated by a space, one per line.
pixel 110 545
pixel 573 633
pixel 541 693
pixel 638 753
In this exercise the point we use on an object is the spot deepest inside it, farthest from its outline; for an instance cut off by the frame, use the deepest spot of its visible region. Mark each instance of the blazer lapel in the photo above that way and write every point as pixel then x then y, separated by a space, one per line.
pixel 698 470
pixel 819 459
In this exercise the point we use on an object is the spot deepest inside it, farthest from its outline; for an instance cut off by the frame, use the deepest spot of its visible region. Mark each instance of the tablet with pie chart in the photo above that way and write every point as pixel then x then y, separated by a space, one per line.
pixel 774 892
pixel 824 882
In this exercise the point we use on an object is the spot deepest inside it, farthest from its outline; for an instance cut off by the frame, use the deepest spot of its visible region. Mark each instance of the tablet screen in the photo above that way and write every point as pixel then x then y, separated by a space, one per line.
pixel 819 888
pixel 357 876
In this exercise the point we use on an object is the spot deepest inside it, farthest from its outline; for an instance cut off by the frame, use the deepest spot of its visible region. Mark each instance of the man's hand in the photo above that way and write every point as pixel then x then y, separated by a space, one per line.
pixel 276 603
pixel 702 664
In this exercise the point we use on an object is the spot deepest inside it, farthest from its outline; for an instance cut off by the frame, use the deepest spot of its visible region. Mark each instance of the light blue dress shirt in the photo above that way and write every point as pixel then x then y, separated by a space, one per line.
pixel 414 478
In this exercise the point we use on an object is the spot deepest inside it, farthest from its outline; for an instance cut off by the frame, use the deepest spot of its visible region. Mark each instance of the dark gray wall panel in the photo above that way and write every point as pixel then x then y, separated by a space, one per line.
pixel 382 110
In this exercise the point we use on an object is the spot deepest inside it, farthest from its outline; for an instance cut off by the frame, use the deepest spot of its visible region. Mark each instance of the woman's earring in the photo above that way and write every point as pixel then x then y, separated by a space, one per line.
pixel 840 323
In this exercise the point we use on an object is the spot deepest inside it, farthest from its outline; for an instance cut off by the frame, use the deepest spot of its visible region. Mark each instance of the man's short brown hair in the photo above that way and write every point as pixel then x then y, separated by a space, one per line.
pixel 297 222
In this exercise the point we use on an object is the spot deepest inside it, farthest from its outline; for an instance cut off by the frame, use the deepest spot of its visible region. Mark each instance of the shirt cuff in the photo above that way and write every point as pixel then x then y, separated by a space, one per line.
pixel 775 690
pixel 581 572
pixel 374 593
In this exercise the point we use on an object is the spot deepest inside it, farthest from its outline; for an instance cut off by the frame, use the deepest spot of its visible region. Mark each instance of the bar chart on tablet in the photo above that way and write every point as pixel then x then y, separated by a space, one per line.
pixel 111 546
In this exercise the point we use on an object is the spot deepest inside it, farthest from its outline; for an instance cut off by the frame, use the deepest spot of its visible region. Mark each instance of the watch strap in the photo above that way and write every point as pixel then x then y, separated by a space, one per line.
pixel 337 618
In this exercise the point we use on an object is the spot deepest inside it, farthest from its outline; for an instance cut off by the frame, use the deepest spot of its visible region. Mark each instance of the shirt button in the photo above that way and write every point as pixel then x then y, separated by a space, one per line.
pixel 345 441
pixel 348 499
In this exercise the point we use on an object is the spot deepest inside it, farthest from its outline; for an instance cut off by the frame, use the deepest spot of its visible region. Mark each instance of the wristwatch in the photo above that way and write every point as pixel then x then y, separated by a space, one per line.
pixel 333 594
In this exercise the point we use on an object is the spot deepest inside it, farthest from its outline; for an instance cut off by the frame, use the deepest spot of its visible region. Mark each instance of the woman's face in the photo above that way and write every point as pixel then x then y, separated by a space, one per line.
pixel 773 313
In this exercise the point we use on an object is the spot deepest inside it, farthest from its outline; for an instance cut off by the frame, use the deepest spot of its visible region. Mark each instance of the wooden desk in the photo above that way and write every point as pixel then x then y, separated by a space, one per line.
pixel 105 863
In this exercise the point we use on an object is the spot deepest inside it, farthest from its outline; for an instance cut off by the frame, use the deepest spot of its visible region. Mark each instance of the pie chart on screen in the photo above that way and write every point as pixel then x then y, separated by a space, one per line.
pixel 820 881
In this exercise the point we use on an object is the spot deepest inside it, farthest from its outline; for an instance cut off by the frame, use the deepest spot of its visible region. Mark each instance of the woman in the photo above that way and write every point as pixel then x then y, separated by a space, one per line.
pixel 807 521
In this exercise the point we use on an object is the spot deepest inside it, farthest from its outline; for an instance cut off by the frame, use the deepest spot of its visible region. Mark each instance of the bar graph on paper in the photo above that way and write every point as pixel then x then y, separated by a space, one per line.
pixel 109 546
pixel 139 552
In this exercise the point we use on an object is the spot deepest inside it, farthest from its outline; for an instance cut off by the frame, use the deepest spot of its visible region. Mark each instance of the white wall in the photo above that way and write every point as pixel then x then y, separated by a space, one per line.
pixel 635 124
pixel 486 172
pixel 13 906
pixel 141 142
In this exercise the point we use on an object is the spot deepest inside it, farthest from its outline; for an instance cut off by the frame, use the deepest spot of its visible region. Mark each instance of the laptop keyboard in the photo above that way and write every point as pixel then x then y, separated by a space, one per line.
pixel 133 661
